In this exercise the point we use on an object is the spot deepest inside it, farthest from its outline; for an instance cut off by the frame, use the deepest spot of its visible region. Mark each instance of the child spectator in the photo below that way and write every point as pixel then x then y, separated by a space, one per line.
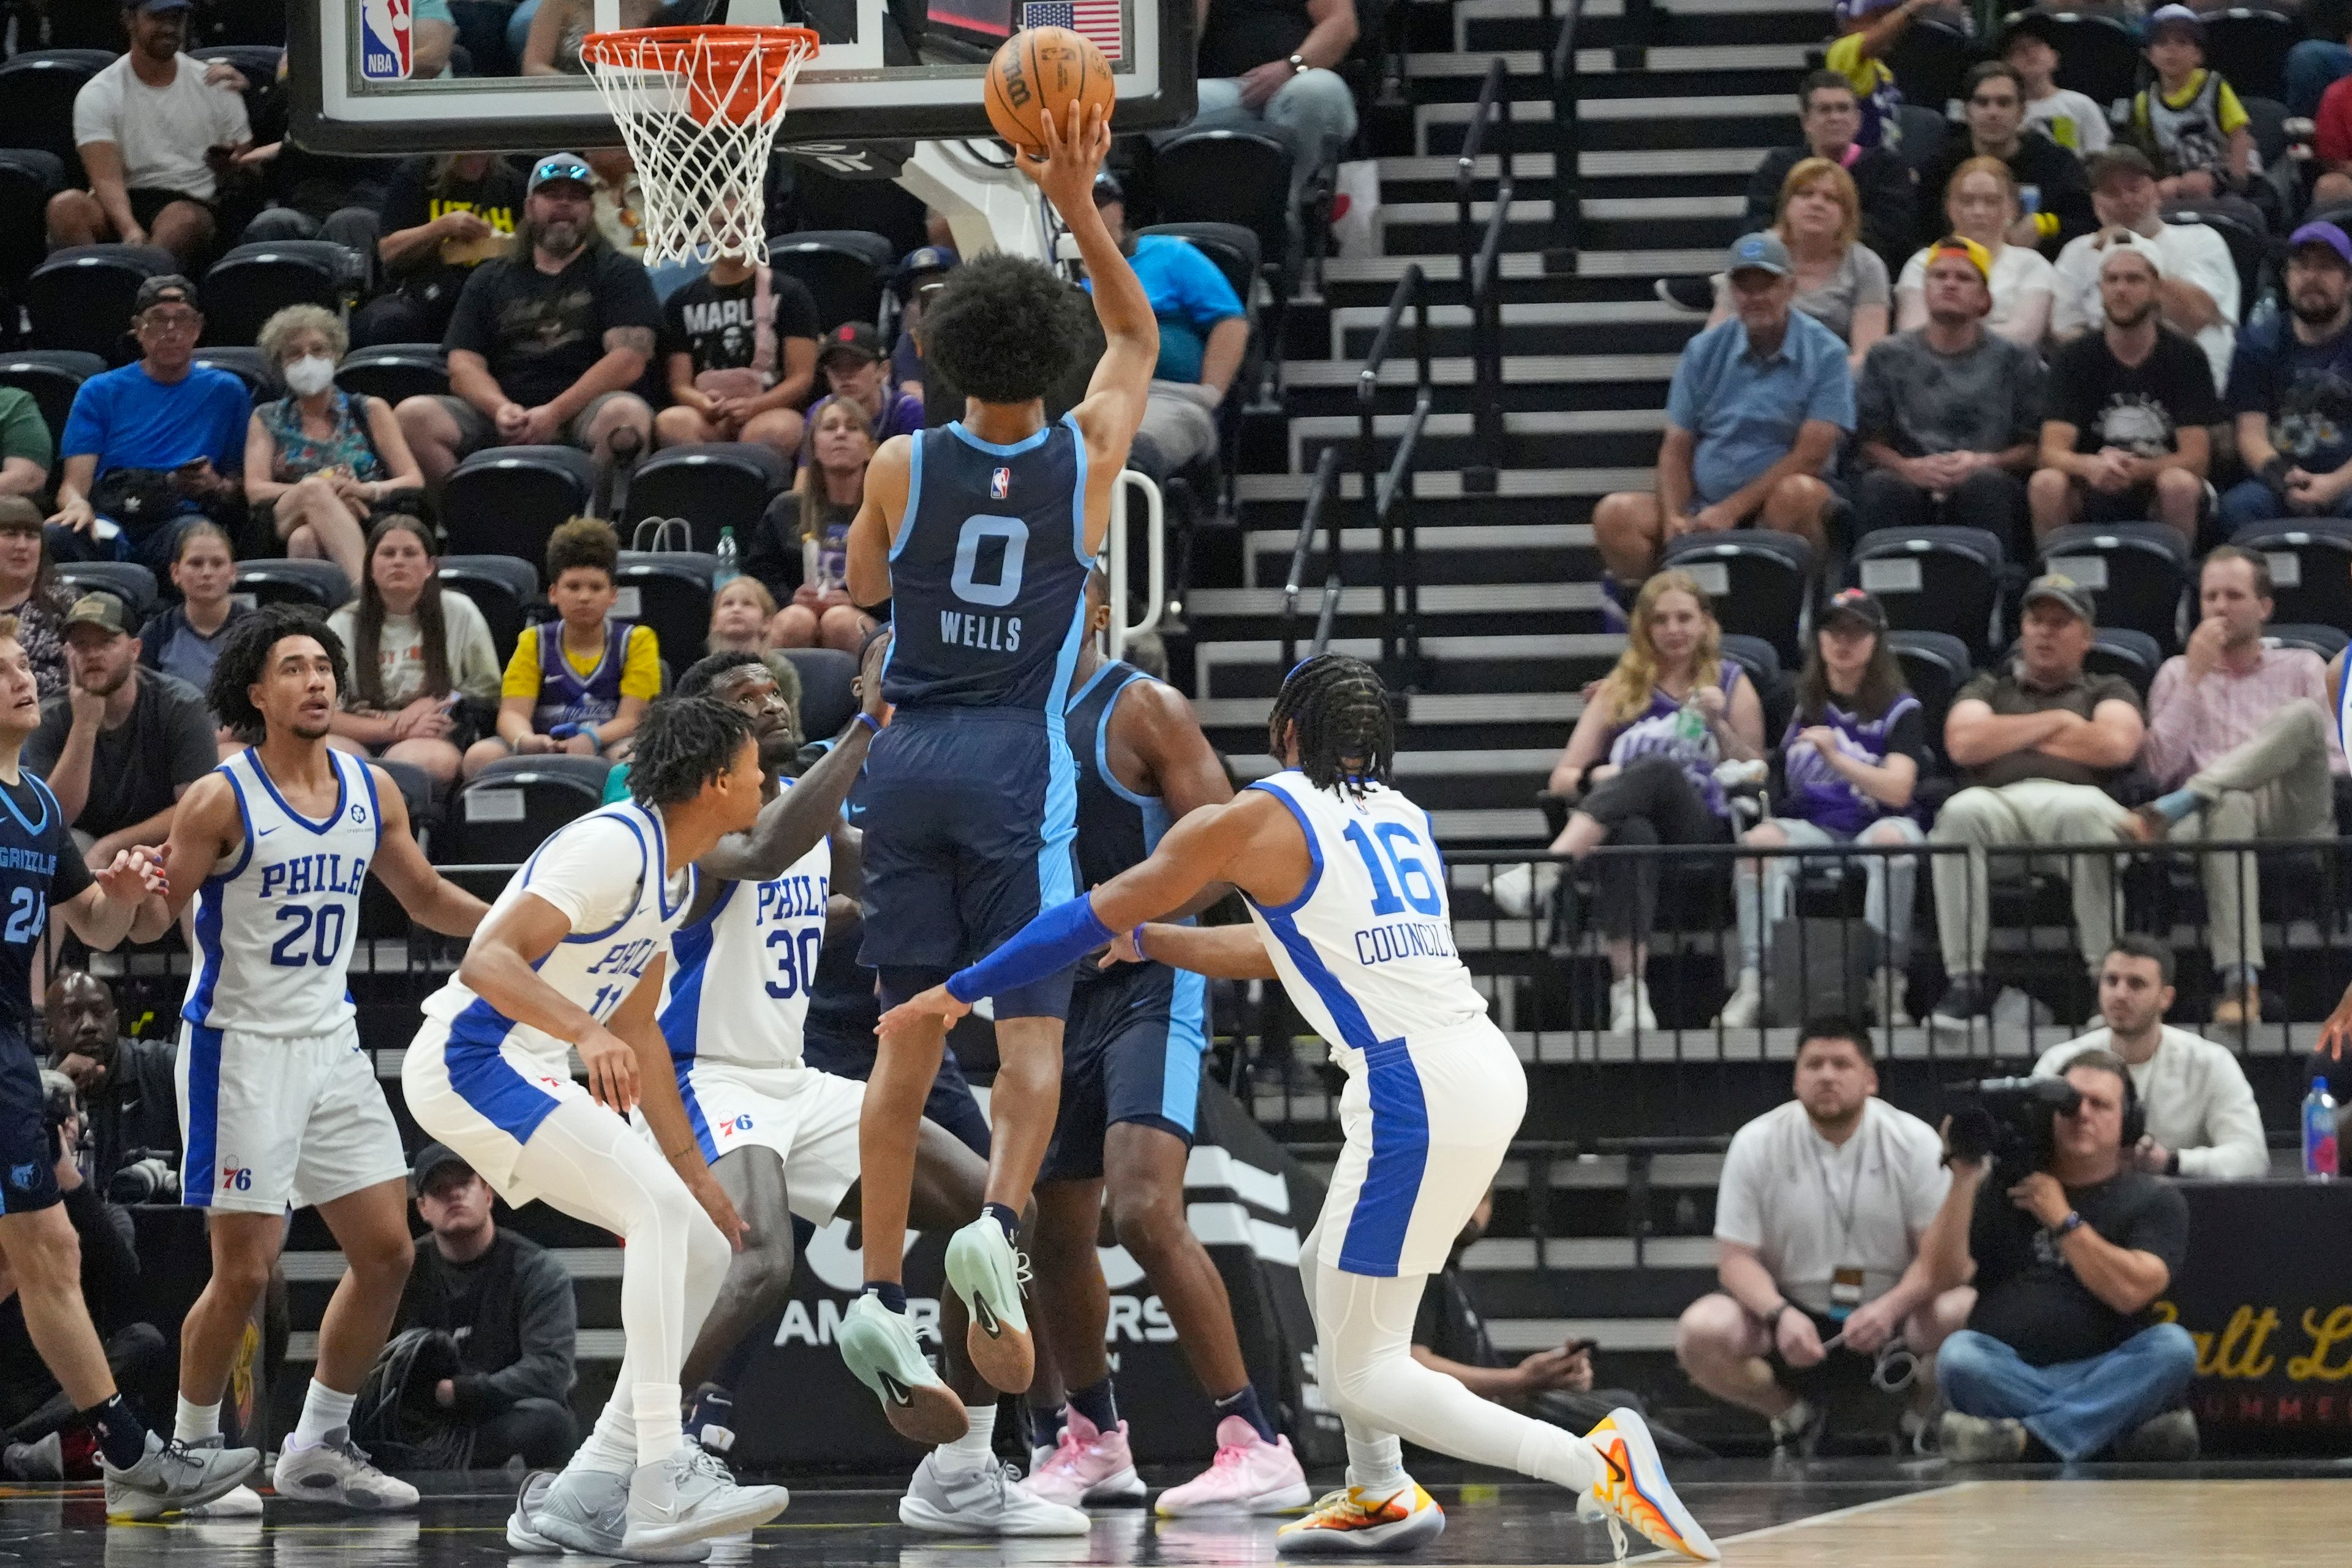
pixel 833 487
pixel 425 678
pixel 185 639
pixel 2189 121
pixel 739 616
pixel 584 674
pixel 2068 118
pixel 1866 30
pixel 739 344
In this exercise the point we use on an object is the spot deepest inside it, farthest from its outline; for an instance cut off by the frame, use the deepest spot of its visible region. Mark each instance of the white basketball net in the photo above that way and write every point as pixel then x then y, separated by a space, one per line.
pixel 701 178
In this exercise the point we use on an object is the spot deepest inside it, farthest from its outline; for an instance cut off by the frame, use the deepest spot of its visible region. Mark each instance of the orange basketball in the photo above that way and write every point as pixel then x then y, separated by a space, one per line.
pixel 1044 68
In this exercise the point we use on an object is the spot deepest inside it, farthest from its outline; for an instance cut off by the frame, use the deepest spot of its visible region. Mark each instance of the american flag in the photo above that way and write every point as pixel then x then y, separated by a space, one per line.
pixel 1097 19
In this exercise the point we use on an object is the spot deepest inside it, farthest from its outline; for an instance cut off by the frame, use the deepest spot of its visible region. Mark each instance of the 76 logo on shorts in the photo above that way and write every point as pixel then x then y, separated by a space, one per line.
pixel 239 1177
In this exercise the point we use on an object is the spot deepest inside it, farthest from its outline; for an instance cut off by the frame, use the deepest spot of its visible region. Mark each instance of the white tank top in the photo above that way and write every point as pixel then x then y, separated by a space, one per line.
pixel 738 979
pixel 275 930
pixel 596 969
pixel 1366 950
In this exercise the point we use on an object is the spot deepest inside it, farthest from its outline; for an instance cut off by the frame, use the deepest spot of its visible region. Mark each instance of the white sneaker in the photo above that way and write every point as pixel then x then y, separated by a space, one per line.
pixel 986 1499
pixel 1629 1007
pixel 172 1475
pixel 1519 889
pixel 691 1496
pixel 337 1471
pixel 242 1502
pixel 586 1511
pixel 522 1531
pixel 1745 1004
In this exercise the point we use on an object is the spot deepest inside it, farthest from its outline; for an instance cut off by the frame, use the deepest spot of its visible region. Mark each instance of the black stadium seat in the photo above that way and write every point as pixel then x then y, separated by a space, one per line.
pixel 2324 641
pixel 501 817
pixel 2248 45
pixel 1238 256
pixel 1237 174
pixel 1775 693
pixel 28 178
pixel 1756 579
pixel 503 587
pixel 258 63
pixel 2249 246
pixel 126 580
pixel 670 592
pixel 395 370
pixel 2098 55
pixel 247 365
pixel 81 298
pixel 846 269
pixel 2119 650
pixel 2311 567
pixel 1935 665
pixel 1923 130
pixel 506 501
pixel 1941 579
pixel 826 701
pixel 2137 572
pixel 53 377
pixel 39 86
pixel 319 585
pixel 711 485
pixel 254 282
pixel 1931 59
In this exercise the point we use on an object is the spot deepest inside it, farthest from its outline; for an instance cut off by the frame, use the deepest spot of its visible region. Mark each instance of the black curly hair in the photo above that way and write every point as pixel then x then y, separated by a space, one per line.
pixel 1346 726
pixel 1004 329
pixel 684 743
pixel 245 655
pixel 711 668
pixel 588 541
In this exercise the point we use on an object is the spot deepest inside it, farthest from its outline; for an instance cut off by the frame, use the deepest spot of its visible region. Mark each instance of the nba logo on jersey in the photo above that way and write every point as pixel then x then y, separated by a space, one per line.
pixel 1000 484
pixel 387 32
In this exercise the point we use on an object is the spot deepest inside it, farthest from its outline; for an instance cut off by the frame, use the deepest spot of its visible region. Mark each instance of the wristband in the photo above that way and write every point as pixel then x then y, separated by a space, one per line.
pixel 2067 1226
pixel 595 736
pixel 873 725
pixel 1051 943
pixel 2172 1163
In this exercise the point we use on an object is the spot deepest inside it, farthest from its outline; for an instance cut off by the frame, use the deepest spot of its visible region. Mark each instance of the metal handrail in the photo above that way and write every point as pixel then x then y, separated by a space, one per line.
pixel 1319 493
pixel 1566 144
pixel 1480 271
pixel 1400 546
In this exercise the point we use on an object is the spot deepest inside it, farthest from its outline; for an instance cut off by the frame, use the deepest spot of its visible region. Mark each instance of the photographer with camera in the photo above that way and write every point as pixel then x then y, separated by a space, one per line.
pixel 2068 1247
pixel 1817 1227
pixel 2198 1110
pixel 131 1113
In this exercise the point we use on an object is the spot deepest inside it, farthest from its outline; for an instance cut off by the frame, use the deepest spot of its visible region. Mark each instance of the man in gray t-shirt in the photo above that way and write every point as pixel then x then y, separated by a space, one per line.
pixel 1948 415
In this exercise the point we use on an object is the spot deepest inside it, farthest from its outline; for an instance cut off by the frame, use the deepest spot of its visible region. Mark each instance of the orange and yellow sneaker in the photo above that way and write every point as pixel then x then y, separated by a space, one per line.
pixel 1352 1520
pixel 1635 1488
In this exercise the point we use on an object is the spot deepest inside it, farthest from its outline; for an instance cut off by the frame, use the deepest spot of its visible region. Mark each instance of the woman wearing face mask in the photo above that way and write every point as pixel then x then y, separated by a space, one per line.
pixel 319 458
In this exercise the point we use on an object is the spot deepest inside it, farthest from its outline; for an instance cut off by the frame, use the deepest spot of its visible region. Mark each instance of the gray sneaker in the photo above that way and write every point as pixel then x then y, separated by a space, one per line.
pixel 171 1475
pixel 2167 1439
pixel 338 1471
pixel 1981 1439
pixel 586 1511
pixel 691 1497
pixel 522 1533
pixel 987 1499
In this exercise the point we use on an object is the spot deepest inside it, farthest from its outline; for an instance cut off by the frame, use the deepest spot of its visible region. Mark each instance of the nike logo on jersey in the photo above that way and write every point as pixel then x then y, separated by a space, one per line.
pixel 265 832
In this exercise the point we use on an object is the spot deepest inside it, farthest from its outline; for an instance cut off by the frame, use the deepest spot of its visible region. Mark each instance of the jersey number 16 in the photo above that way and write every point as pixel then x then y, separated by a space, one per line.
pixel 1412 874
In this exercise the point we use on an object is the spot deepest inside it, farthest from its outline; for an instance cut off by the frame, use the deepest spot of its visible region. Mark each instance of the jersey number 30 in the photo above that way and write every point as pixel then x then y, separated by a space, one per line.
pixel 1412 874
pixel 796 955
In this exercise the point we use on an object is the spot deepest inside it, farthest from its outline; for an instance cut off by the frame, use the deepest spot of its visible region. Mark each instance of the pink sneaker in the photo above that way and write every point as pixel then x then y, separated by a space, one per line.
pixel 1249 1475
pixel 1090 1468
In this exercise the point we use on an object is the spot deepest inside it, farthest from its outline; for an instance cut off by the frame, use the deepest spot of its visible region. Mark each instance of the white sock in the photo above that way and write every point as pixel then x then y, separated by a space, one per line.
pixel 660 1433
pixel 977 1446
pixel 1560 1457
pixel 1377 1467
pixel 196 1422
pixel 324 1412
pixel 611 1444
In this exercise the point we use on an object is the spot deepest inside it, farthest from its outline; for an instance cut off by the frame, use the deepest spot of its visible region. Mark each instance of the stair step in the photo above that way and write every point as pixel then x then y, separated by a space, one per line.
pixel 1265 654
pixel 1409 765
pixel 1531 328
pixel 1446 485
pixel 1419 708
pixel 1471 62
pixel 1309 434
pixel 1620 165
pixel 1444 598
pixel 1528 264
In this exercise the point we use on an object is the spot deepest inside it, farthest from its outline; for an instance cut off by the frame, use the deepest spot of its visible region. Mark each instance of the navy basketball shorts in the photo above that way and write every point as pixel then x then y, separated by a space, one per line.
pixel 970 824
pixel 1131 1053
pixel 29 1162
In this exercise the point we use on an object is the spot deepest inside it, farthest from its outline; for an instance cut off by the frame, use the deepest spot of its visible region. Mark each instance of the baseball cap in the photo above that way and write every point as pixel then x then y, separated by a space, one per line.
pixel 101 610
pixel 2180 16
pixel 2325 234
pixel 2118 159
pixel 1759 252
pixel 860 339
pixel 2134 245
pixel 159 4
pixel 1961 245
pixel 559 166
pixel 170 288
pixel 2059 588
pixel 1109 189
pixel 927 261
pixel 1859 603
pixel 429 1159
pixel 1853 10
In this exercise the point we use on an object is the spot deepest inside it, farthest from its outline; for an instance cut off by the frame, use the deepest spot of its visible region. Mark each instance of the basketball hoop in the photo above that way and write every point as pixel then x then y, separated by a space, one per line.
pixel 698 109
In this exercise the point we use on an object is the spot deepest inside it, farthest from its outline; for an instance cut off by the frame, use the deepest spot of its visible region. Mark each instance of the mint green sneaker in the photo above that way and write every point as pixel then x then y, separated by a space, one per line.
pixel 987 1274
pixel 885 1356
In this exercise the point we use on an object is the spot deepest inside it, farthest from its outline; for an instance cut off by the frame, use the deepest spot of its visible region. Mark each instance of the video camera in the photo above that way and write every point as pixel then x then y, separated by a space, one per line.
pixel 2010 1118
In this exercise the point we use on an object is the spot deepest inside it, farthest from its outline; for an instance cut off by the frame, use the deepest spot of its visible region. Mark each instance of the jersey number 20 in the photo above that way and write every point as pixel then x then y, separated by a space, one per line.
pixel 323 928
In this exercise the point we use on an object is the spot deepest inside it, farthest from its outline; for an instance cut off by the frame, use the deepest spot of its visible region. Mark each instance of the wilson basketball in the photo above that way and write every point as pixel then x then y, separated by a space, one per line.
pixel 1044 68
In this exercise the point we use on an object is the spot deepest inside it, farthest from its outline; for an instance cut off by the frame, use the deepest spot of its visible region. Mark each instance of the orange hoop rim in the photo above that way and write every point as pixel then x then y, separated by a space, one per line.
pixel 673 48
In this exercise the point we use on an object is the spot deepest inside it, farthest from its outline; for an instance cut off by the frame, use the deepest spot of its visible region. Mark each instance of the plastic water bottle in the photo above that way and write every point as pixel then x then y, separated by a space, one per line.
pixel 728 570
pixel 2319 1133
pixel 1690 725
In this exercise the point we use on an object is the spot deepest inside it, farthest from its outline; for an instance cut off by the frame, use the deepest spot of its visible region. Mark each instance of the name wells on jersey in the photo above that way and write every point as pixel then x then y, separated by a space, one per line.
pixel 994 634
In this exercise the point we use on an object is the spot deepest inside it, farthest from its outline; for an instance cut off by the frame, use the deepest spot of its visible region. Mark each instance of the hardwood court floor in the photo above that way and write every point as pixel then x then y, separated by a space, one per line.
pixel 1845 1514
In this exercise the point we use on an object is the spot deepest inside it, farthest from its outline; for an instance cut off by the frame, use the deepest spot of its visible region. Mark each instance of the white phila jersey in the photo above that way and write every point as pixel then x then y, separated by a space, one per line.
pixel 1366 950
pixel 607 866
pixel 275 930
pixel 769 932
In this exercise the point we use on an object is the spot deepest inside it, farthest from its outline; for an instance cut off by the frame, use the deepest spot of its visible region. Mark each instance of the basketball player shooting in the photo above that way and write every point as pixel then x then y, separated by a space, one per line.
pixel 980 533
pixel 1346 901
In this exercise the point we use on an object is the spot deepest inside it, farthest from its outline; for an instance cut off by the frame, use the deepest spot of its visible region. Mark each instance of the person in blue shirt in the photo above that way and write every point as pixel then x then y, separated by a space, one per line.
pixel 1757 407
pixel 153 445
pixel 1203 333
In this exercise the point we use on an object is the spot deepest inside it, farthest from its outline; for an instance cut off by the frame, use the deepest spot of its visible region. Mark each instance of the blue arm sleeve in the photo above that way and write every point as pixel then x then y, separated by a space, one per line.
pixel 1052 941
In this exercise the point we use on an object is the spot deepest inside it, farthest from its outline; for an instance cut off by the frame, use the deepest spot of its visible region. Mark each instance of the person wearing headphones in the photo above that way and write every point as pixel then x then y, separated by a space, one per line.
pixel 2064 1353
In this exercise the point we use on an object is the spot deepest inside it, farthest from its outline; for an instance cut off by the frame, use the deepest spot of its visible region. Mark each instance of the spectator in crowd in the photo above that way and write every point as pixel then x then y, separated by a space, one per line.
pixel 584 674
pixel 1866 30
pixel 1981 201
pixel 1948 415
pixel 549 343
pixel 833 487
pixel 1277 60
pixel 740 615
pixel 123 743
pixel 151 445
pixel 29 591
pixel 319 459
pixel 1203 334
pixel 27 453
pixel 185 639
pixel 2291 390
pixel 2063 1348
pixel 1755 414
pixel 1840 283
pixel 2316 64
pixel 2038 742
pixel 857 370
pixel 1847 768
pixel 2202 1120
pixel 558 28
pixel 2243 737
pixel 922 273
pixel 1641 767
pixel 508 1303
pixel 2196 282
pixel 741 346
pixel 2069 118
pixel 2189 122
pixel 130 1108
pixel 1817 1222
pixel 156 139
pixel 2331 130
pixel 425 678
pixel 2126 437
pixel 444 217
pixel 1830 114
pixel 2048 178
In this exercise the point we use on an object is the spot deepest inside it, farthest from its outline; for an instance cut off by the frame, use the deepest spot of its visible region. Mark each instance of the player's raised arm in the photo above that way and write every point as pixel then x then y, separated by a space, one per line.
pixel 1122 379
pixel 431 900
pixel 790 825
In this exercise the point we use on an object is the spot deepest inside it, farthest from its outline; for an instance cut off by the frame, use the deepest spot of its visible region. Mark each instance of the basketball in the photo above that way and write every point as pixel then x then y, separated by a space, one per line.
pixel 1044 68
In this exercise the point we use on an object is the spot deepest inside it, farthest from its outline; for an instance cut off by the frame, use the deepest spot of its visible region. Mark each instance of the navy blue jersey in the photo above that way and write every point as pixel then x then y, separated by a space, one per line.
pixel 988 573
pixel 1118 828
pixel 39 866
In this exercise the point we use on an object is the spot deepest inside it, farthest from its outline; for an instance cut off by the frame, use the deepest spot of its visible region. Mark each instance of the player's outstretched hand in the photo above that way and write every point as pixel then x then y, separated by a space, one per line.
pixel 2337 1032
pixel 1126 947
pixel 134 874
pixel 910 1014
pixel 611 1070
pixel 1074 154
pixel 870 678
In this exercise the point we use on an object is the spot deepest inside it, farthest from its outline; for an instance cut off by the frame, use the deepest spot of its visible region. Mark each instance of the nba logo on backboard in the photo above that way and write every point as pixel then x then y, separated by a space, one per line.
pixel 386 31
pixel 1000 484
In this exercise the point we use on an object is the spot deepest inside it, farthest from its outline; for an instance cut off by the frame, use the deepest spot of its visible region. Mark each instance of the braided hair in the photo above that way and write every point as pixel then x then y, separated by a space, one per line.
pixel 1346 728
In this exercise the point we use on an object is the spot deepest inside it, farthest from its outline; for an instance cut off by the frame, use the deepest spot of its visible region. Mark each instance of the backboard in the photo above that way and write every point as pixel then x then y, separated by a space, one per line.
pixel 888 69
